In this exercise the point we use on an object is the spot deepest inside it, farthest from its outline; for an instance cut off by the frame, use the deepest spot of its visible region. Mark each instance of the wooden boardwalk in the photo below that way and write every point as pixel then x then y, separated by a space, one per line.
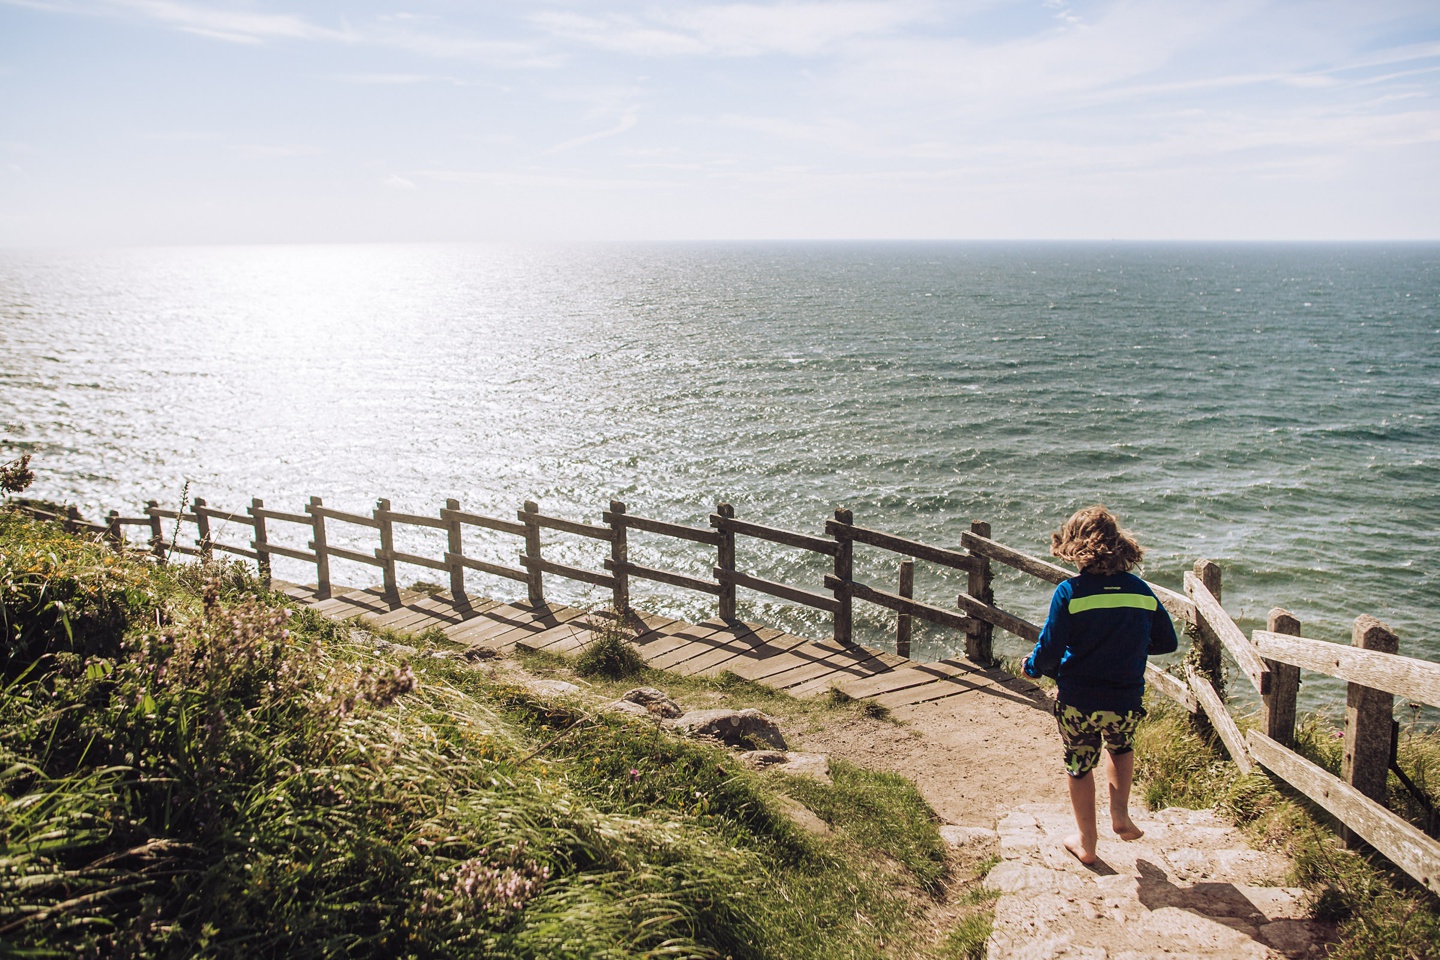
pixel 771 657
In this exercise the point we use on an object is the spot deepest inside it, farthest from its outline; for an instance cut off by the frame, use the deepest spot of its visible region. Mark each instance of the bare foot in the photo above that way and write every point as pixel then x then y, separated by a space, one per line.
pixel 1076 846
pixel 1127 830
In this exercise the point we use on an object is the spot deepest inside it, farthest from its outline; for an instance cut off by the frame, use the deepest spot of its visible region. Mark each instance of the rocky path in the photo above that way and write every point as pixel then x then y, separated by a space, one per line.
pixel 1190 888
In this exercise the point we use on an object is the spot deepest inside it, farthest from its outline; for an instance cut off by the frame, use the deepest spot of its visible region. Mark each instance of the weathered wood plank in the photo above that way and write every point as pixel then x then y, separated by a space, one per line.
pixel 801 655
pixel 489 523
pixel 900 604
pixel 279 551
pixel 1022 628
pixel 1215 617
pixel 664 576
pixel 676 530
pixel 485 566
pixel 1011 557
pixel 1277 708
pixel 676 646
pixel 938 689
pixel 354 555
pixel 265 513
pixel 397 556
pixel 878 663
pixel 773 644
pixel 774 535
pixel 1408 677
pixel 955 559
pixel 411 519
pixel 330 513
pixel 1404 844
pixel 738 641
pixel 794 594
pixel 213 514
pixel 505 641
pixel 903 678
pixel 1369 718
pixel 502 626
pixel 590 530
pixel 569 572
pixel 238 551
pixel 1220 718
pixel 1171 686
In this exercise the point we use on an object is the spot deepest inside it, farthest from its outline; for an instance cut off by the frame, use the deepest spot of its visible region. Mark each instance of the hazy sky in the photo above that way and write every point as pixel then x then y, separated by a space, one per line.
pixel 178 121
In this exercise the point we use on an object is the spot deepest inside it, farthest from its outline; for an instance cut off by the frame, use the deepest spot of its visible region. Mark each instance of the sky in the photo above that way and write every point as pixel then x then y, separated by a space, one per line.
pixel 279 121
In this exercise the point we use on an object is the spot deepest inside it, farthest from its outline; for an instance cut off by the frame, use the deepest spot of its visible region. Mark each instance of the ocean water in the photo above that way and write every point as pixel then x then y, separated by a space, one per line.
pixel 1274 408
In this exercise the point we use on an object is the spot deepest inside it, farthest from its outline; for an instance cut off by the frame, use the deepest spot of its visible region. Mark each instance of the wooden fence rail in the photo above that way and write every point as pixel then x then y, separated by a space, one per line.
pixel 1270 659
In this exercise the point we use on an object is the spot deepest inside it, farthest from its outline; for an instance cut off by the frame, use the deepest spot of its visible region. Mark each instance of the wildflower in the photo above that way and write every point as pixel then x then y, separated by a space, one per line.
pixel 634 774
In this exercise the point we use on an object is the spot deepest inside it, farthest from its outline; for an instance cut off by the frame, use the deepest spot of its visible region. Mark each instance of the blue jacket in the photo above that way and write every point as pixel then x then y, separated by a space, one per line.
pixel 1096 639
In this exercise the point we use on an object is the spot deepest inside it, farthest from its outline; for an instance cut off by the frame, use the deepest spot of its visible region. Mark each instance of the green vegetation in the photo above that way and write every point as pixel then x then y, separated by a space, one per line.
pixel 1381 913
pixel 190 768
pixel 609 654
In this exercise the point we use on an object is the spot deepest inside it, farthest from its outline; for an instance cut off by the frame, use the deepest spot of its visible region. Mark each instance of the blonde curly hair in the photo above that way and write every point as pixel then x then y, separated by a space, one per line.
pixel 1093 541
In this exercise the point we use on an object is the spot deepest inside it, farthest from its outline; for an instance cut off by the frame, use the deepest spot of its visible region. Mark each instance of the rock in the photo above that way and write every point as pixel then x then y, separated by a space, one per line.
pixel 736 728
pixel 760 759
pixel 957 836
pixel 803 816
pixel 475 654
pixel 815 765
pixel 551 688
pixel 653 701
pixel 626 706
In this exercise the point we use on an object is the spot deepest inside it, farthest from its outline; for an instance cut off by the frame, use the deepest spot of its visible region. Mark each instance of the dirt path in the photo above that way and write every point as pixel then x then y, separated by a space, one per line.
pixel 974 757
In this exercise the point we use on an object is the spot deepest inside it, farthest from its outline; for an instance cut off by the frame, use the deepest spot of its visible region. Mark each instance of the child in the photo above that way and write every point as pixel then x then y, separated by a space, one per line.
pixel 1102 626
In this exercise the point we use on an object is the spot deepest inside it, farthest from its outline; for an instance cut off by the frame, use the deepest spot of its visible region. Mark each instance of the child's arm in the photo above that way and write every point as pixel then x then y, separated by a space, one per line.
pixel 1044 660
pixel 1162 633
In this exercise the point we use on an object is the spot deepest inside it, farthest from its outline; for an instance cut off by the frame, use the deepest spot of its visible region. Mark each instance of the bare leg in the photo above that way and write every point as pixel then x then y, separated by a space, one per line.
pixel 1082 800
pixel 1120 771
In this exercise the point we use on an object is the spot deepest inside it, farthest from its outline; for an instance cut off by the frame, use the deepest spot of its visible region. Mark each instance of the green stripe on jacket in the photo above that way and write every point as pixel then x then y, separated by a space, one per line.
pixel 1110 601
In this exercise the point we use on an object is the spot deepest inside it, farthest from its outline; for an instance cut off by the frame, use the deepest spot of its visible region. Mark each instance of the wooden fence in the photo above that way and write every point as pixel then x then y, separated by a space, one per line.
pixel 1270 660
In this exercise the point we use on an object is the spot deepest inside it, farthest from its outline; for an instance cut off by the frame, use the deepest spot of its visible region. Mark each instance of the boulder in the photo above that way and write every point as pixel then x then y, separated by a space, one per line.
pixel 747 728
pixel 653 702
pixel 551 688
pixel 815 765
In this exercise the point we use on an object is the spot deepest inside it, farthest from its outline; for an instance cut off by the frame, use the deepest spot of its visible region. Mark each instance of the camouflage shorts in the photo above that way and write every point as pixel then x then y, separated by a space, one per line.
pixel 1083 733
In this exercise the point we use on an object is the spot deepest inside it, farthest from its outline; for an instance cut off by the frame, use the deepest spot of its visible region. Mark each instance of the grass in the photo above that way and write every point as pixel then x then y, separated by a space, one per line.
pixel 190 768
pixel 1381 913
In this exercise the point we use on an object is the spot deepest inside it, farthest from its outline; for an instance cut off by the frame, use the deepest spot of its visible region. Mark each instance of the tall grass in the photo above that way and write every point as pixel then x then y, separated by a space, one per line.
pixel 189 768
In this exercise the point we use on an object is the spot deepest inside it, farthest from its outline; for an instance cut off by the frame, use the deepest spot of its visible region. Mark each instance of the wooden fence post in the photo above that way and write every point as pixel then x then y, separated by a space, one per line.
pixel 1205 649
pixel 1277 711
pixel 726 561
pixel 157 530
pixel 321 548
pixel 113 536
pixel 202 529
pixel 260 543
pixel 386 553
pixel 456 543
pixel 903 622
pixel 844 573
pixel 1368 716
pixel 979 639
pixel 619 555
pixel 532 552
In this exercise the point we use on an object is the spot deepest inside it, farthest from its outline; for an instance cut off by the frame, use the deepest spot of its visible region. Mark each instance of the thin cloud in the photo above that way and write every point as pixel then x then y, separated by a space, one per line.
pixel 627 122
pixel 736 30
pixel 231 25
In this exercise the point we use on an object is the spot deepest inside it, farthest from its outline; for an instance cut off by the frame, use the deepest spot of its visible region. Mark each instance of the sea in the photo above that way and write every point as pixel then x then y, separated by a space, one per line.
pixel 1274 408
